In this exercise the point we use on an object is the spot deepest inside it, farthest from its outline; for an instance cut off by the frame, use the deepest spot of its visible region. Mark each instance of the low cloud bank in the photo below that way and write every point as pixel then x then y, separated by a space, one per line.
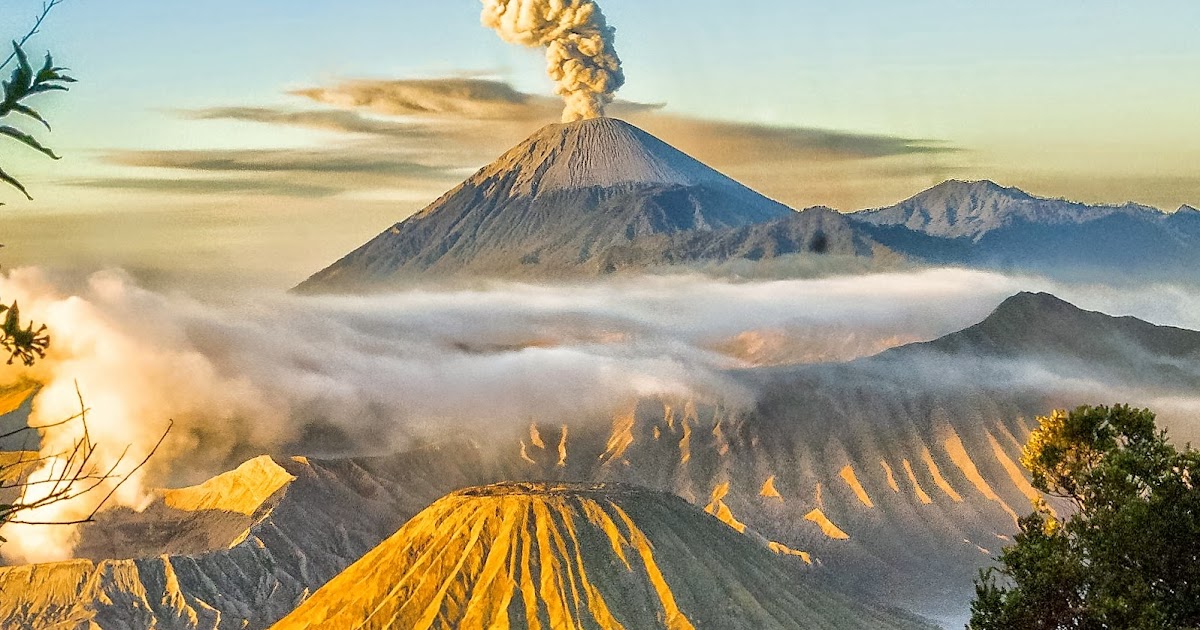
pixel 241 375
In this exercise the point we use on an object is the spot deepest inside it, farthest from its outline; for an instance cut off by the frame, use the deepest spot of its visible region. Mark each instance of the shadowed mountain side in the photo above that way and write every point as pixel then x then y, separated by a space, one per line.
pixel 813 232
pixel 552 205
pixel 579 556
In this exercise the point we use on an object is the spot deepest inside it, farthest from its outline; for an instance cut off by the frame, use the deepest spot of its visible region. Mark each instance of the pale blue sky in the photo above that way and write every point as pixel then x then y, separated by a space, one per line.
pixel 948 69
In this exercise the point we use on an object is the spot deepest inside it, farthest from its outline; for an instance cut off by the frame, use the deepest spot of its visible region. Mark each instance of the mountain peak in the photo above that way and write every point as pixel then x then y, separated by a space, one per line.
pixel 1028 302
pixel 1040 324
pixel 958 187
pixel 598 152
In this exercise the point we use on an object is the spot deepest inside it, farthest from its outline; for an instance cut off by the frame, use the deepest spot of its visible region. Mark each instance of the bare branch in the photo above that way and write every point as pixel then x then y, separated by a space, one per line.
pixel 37 25
pixel 43 426
pixel 161 439
pixel 78 475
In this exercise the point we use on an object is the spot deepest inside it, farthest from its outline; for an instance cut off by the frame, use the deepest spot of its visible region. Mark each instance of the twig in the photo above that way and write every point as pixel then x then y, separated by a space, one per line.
pixel 21 430
pixel 46 8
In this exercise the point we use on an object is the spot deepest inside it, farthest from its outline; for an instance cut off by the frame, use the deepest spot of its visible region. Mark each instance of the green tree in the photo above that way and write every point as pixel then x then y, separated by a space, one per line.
pixel 1126 556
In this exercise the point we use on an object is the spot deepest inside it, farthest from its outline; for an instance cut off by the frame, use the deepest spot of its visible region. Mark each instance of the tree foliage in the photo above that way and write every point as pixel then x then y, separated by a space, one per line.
pixel 22 85
pixel 1127 556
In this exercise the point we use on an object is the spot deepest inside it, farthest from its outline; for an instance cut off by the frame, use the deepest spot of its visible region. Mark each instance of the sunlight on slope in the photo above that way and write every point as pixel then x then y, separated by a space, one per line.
pixel 552 556
pixel 11 398
pixel 562 448
pixel 784 550
pixel 938 479
pixel 717 508
pixel 685 443
pixel 769 490
pixel 17 464
pixel 622 435
pixel 242 490
pixel 722 444
pixel 674 618
pixel 922 496
pixel 891 477
pixel 535 436
pixel 958 455
pixel 1015 473
pixel 826 525
pixel 851 480
pixel 525 454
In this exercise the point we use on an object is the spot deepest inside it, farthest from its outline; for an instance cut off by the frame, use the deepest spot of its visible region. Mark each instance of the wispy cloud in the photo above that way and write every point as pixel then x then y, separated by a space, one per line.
pixel 326 119
pixel 207 186
pixel 275 160
pixel 428 133
pixel 456 97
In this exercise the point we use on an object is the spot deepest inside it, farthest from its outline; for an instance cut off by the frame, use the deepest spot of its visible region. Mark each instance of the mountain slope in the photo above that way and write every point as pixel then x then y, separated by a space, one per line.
pixel 581 556
pixel 959 209
pixel 554 204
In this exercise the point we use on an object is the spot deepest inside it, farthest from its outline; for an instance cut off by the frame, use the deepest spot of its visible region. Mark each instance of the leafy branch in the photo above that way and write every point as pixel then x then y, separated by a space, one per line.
pixel 23 84
pixel 26 343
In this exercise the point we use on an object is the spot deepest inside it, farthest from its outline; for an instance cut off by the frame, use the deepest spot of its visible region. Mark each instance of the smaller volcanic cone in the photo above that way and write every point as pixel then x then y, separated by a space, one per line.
pixel 523 555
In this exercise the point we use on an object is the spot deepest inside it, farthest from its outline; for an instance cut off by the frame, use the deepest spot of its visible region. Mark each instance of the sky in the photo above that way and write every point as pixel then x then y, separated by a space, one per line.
pixel 211 139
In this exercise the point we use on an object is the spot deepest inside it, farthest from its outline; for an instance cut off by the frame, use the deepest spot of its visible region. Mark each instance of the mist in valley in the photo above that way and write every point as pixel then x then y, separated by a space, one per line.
pixel 241 375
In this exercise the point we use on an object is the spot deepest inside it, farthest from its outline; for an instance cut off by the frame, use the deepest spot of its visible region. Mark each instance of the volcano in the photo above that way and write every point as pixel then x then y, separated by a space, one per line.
pixel 557 203
pixel 561 555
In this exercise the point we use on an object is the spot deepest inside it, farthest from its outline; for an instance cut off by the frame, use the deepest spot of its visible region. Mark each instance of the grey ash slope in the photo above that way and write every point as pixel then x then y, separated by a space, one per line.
pixel 813 231
pixel 554 204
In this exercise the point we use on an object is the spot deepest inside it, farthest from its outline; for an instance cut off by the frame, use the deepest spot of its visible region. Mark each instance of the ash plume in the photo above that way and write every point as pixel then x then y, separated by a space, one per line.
pixel 580 53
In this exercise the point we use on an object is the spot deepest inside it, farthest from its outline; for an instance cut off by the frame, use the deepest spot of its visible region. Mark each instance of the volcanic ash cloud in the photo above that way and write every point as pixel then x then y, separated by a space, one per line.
pixel 580 54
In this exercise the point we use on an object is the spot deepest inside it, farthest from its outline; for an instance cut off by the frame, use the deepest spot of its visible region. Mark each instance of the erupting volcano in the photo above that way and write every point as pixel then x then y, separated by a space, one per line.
pixel 565 200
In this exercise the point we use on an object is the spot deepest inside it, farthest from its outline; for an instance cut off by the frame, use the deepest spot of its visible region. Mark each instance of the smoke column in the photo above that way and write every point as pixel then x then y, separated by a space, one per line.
pixel 579 43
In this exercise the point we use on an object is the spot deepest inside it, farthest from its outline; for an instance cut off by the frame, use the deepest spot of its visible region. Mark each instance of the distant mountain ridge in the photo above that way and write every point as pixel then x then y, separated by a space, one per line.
pixel 982 224
pixel 972 209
